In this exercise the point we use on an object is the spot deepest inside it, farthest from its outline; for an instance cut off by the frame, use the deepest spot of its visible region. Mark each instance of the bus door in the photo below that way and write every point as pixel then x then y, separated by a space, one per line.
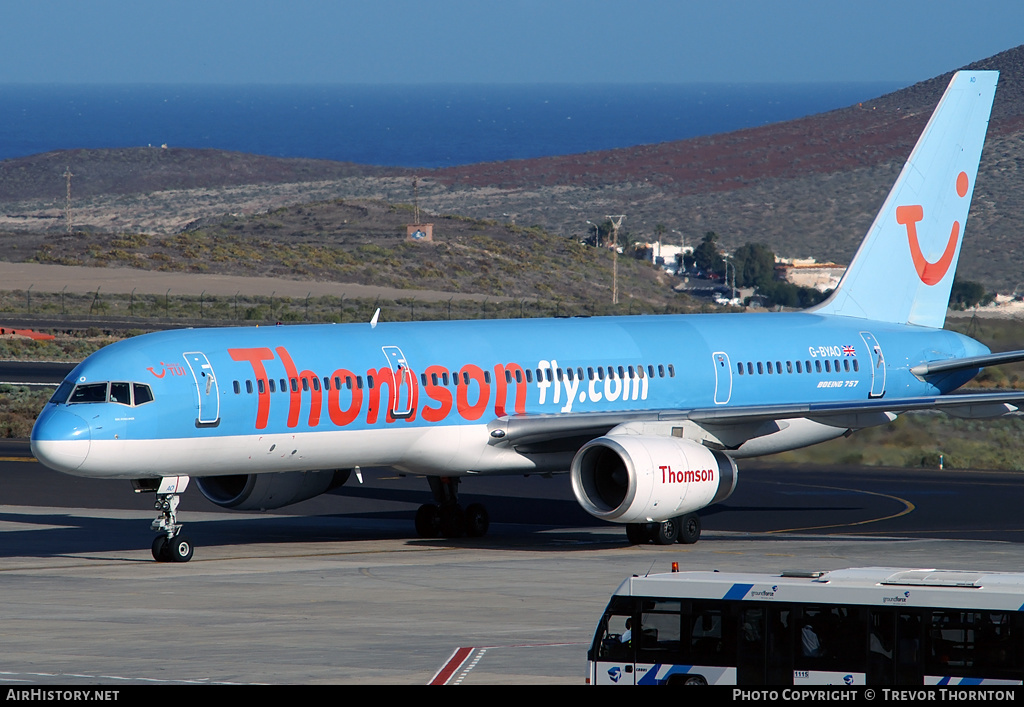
pixel 881 668
pixel 751 659
pixel 779 645
pixel 909 636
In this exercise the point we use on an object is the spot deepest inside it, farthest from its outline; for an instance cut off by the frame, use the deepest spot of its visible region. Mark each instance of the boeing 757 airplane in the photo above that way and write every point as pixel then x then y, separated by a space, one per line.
pixel 648 413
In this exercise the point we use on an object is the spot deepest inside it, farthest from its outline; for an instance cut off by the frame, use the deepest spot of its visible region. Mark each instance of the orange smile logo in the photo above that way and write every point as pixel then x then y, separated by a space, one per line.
pixel 930 273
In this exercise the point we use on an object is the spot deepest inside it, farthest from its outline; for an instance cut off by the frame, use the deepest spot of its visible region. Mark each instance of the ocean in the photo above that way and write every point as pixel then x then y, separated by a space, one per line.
pixel 408 126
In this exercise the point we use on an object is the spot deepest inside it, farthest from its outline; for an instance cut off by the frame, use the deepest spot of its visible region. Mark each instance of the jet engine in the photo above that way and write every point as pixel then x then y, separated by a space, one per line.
pixel 251 492
pixel 637 479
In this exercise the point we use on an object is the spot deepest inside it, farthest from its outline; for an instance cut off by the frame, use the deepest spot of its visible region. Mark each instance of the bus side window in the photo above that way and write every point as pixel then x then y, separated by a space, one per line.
pixel 712 634
pixel 660 631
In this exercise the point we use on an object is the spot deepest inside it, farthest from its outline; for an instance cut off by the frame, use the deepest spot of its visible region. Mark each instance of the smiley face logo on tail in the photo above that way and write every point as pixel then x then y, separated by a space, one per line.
pixel 931 273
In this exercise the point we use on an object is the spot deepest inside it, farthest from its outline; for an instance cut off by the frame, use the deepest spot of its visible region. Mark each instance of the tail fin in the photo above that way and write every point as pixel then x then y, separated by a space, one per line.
pixel 904 269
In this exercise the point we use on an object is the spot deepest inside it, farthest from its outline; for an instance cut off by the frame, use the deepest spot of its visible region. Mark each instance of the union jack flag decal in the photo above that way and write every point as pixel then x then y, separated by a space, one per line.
pixel 849 351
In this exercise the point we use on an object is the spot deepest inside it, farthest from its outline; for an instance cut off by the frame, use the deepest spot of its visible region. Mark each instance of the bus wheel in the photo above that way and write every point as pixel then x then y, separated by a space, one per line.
pixel 666 533
pixel 695 680
pixel 689 529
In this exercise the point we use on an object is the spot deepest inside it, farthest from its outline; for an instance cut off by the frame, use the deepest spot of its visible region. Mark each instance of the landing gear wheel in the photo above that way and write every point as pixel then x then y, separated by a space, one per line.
pixel 666 532
pixel 428 522
pixel 453 521
pixel 180 548
pixel 160 550
pixel 477 520
pixel 637 533
pixel 689 528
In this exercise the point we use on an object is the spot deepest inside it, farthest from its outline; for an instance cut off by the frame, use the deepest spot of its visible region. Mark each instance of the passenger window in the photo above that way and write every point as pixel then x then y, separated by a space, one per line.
pixel 143 394
pixel 248 387
pixel 856 366
pixel 120 393
pixel 671 371
pixel 236 386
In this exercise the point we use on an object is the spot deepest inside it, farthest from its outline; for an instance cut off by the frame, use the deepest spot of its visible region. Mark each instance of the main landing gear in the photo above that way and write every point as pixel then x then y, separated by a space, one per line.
pixel 684 529
pixel 447 518
pixel 170 545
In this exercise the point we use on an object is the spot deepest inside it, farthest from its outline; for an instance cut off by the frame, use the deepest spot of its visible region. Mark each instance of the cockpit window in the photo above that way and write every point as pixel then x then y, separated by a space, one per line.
pixel 120 393
pixel 117 392
pixel 142 394
pixel 62 393
pixel 89 393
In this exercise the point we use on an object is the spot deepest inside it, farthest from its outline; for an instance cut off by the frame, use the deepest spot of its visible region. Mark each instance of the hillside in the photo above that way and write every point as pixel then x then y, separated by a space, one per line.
pixel 803 187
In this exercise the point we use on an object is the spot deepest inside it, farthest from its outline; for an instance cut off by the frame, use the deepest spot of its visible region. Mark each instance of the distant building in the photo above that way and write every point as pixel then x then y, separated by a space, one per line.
pixel 419 232
pixel 805 272
pixel 666 255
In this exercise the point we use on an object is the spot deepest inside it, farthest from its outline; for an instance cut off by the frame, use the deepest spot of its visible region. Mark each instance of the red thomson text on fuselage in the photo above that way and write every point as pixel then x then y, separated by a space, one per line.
pixel 474 394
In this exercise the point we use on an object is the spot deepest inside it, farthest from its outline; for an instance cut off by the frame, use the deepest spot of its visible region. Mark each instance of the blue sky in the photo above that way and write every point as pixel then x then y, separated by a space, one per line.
pixel 485 41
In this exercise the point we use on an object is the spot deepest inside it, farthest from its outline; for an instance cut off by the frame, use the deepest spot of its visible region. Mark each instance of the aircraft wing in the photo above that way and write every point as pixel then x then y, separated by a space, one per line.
pixel 526 431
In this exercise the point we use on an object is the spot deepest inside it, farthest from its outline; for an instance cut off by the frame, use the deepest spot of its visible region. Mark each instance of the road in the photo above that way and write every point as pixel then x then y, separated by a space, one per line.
pixel 336 589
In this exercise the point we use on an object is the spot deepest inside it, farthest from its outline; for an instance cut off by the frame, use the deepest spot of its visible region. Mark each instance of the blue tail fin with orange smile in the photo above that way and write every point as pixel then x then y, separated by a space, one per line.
pixel 904 269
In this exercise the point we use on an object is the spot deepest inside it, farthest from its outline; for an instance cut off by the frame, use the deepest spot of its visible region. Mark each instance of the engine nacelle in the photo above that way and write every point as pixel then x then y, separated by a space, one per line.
pixel 636 479
pixel 260 492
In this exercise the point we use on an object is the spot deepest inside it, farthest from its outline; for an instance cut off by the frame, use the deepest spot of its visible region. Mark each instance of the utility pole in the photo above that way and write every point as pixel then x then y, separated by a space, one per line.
pixel 616 222
pixel 67 203
pixel 416 197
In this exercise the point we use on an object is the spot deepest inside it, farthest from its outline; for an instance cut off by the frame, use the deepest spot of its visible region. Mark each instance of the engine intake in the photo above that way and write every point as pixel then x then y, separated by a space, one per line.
pixel 636 479
pixel 252 492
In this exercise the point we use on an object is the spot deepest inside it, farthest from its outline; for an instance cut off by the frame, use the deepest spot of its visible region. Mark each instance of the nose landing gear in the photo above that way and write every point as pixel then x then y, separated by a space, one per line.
pixel 170 545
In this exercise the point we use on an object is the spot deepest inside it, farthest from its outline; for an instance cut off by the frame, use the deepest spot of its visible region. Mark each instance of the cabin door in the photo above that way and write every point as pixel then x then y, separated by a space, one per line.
pixel 723 377
pixel 405 383
pixel 206 387
pixel 877 365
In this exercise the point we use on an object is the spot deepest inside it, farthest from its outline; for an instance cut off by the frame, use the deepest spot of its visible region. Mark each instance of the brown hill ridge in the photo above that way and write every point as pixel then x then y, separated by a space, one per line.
pixel 850 138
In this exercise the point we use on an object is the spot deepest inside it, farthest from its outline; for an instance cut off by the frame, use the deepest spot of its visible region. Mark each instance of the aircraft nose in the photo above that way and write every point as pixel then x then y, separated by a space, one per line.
pixel 60 439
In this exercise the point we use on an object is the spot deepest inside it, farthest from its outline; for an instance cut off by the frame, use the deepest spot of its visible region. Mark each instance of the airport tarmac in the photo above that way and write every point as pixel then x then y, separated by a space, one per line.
pixel 336 590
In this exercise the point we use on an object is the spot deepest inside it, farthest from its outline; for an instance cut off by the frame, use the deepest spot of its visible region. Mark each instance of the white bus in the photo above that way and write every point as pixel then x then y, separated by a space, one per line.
pixel 866 626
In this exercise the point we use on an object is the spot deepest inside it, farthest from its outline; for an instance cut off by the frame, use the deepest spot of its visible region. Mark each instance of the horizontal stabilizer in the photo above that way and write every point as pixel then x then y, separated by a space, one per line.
pixel 959 364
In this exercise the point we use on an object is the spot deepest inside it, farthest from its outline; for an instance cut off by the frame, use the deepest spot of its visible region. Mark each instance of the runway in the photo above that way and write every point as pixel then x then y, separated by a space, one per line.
pixel 337 589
